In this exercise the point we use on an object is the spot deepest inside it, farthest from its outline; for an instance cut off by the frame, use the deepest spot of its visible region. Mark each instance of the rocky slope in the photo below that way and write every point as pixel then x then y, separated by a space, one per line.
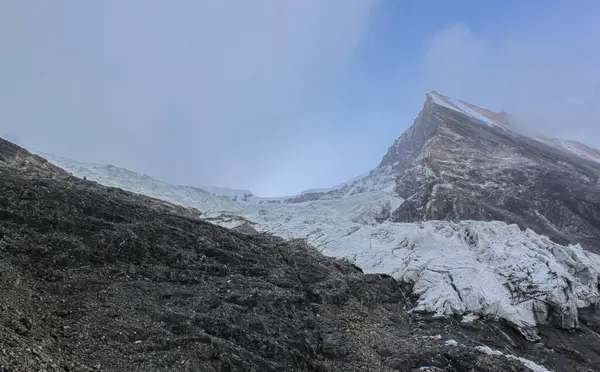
pixel 461 162
pixel 98 279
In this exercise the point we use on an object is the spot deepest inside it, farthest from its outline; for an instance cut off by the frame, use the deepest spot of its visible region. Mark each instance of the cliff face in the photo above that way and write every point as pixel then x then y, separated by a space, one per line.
pixel 463 163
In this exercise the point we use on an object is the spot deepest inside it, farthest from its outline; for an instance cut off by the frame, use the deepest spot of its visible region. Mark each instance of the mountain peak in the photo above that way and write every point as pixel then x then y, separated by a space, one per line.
pixel 501 120
pixel 474 112
pixel 459 161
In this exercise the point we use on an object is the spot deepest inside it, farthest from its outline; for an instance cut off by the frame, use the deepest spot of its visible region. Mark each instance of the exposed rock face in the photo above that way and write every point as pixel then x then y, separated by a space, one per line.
pixel 96 278
pixel 455 166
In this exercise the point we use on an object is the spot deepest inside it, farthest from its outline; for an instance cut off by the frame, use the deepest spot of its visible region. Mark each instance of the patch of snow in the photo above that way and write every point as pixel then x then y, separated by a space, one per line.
pixel 462 107
pixel 451 343
pixel 441 100
pixel 526 362
pixel 529 364
pixel 487 350
pixel 574 147
pixel 338 186
pixel 234 194
pixel 469 318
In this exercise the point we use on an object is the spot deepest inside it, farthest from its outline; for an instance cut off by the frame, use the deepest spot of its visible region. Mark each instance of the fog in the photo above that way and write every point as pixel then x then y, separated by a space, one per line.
pixel 194 92
pixel 547 76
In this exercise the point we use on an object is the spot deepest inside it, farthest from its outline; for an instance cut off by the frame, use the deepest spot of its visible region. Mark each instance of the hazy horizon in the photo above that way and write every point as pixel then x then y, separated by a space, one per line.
pixel 276 97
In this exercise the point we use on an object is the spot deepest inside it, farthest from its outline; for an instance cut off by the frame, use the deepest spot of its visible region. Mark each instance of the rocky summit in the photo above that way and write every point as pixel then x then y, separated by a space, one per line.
pixel 94 278
pixel 462 162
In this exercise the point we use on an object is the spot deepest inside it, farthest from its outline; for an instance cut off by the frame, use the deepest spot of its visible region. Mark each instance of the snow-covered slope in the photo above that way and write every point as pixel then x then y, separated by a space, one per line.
pixel 574 147
pixel 469 267
pixel 467 109
pixel 110 175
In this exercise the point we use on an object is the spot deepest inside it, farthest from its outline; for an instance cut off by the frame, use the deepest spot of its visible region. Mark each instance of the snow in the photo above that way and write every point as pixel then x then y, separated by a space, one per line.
pixel 469 318
pixel 451 343
pixel 470 268
pixel 573 147
pixel 462 107
pixel 236 195
pixel 113 176
pixel 338 186
pixel 441 100
pixel 500 272
pixel 487 350
pixel 526 362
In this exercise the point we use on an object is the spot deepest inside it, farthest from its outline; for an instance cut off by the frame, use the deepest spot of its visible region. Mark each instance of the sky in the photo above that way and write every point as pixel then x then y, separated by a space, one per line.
pixel 281 96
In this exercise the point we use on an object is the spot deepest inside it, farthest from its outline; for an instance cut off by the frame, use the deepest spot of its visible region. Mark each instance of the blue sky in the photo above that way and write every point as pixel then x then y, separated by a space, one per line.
pixel 277 97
